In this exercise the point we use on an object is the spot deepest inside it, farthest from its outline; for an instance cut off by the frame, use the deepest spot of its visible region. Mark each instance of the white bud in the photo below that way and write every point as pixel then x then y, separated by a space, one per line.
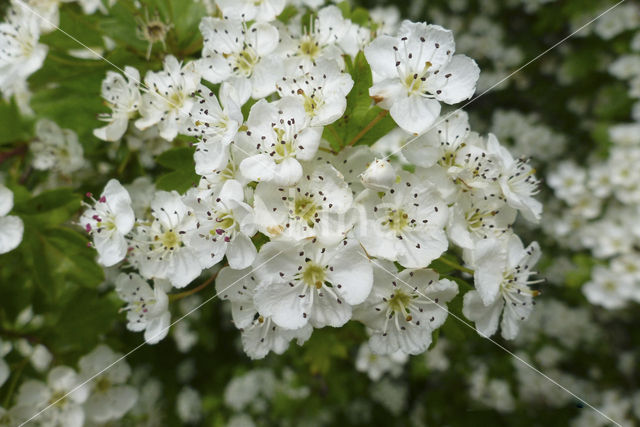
pixel 380 175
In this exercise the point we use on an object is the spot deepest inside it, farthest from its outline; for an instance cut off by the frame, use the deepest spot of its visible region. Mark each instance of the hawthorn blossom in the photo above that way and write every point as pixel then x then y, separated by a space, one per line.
pixel 322 88
pixel 159 249
pixel 517 181
pixel 404 308
pixel 110 398
pixel 11 226
pixel 64 390
pixel 251 10
pixel 311 283
pixel 260 334
pixel 108 221
pixel 122 95
pixel 501 276
pixel 327 38
pixel 21 55
pixel 147 308
pixel 215 123
pixel 317 206
pixel 415 71
pixel 168 101
pixel 405 224
pixel 379 175
pixel 610 289
pixel 280 136
pixel 239 55
pixel 56 149
pixel 225 225
pixel 376 365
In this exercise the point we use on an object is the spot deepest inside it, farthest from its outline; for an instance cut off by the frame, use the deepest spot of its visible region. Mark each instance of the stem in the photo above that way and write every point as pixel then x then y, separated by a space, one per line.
pixel 14 381
pixel 368 127
pixel 455 265
pixel 176 297
pixel 327 150
pixel 19 151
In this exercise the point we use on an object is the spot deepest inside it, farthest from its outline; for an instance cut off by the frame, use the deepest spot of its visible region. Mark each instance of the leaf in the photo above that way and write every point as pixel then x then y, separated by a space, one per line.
pixel 49 208
pixel 362 123
pixel 84 317
pixel 78 260
pixel 183 175
pixel 12 126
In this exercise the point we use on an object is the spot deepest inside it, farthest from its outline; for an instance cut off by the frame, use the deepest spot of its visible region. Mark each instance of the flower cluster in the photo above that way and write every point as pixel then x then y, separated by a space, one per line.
pixel 348 235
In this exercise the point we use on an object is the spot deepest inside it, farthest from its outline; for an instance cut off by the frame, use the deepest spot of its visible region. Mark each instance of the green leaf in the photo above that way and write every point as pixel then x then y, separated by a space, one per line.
pixel 362 123
pixel 77 260
pixel 182 175
pixel 49 208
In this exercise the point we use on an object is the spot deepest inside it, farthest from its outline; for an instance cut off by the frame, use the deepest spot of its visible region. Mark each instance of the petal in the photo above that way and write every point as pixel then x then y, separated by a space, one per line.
pixel 157 329
pixel 183 268
pixel 283 304
pixel 6 200
pixel 415 114
pixel 11 231
pixel 259 167
pixel 463 75
pixel 380 55
pixel 352 275
pixel 485 317
pixel 241 252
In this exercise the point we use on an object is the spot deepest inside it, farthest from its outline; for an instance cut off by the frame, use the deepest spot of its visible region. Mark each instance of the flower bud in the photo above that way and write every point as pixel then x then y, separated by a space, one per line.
pixel 380 175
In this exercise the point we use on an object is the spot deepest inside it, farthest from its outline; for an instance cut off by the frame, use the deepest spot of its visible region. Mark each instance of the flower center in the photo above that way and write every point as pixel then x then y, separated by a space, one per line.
pixel 246 60
pixel 169 239
pixel 102 384
pixel 397 220
pixel 309 47
pixel 313 275
pixel 398 302
pixel 58 399
pixel 305 208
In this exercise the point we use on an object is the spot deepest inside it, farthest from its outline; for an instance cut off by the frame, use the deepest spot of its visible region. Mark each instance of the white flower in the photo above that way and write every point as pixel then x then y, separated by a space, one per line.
pixel 517 181
pixel 251 10
pixel 404 308
pixel 168 102
pixel 311 283
pixel 386 19
pixel 215 125
pixel 11 227
pixel 406 224
pixel 108 222
pixel 62 391
pixel 147 308
pixel 316 207
pixel 351 162
pixel 473 219
pixel 568 181
pixel 279 134
pixel 56 149
pixel 376 365
pixel 160 251
pixel 260 334
pixel 415 71
pixel 609 289
pixel 147 144
pixel 21 54
pixel 110 397
pixel 501 277
pixel 189 405
pixel 327 39
pixel 322 88
pixel 123 97
pixel 240 55
pixel 225 225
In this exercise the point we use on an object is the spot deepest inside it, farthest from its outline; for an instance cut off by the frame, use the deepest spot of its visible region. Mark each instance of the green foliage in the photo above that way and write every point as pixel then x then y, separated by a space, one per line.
pixel 182 175
pixel 351 128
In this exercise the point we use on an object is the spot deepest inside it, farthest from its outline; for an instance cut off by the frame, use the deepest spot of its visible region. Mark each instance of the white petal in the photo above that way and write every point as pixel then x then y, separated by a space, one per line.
pixel 157 329
pixel 282 303
pixel 463 75
pixel 259 167
pixel 6 200
pixel 415 114
pixel 241 252
pixel 11 231
pixel 485 317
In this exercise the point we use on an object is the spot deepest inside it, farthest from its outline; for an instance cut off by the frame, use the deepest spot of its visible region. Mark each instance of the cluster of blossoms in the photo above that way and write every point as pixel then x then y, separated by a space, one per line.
pixel 348 235
pixel 89 395
pixel 596 206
